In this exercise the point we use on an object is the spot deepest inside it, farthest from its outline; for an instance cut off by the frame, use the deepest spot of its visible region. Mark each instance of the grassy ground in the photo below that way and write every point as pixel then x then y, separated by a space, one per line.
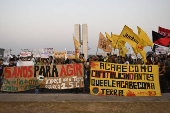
pixel 103 107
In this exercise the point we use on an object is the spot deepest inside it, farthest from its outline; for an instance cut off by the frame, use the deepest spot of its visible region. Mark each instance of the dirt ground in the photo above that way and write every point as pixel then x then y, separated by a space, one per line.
pixel 83 107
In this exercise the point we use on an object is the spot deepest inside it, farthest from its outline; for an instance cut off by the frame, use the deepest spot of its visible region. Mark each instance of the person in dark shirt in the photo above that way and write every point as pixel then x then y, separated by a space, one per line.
pixel 167 72
pixel 11 64
pixel 1 73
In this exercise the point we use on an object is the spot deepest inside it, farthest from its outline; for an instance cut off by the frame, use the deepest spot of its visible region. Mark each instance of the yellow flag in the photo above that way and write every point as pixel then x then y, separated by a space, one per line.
pixel 144 37
pixel 129 36
pixel 143 54
pixel 135 51
pixel 103 44
pixel 123 51
pixel 109 40
pixel 76 43
pixel 115 40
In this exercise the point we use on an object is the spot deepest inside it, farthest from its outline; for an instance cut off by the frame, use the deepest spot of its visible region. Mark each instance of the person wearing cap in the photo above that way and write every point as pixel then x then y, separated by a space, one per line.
pixel 1 72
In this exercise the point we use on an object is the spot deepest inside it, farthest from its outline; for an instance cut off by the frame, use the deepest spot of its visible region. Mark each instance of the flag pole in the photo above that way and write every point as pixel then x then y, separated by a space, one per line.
pixel 96 51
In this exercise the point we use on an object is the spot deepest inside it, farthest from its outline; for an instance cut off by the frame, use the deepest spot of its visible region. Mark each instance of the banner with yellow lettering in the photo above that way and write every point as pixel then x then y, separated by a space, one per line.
pixel 112 79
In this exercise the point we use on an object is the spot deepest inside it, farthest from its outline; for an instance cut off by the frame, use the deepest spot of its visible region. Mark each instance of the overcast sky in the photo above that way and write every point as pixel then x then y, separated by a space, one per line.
pixel 50 23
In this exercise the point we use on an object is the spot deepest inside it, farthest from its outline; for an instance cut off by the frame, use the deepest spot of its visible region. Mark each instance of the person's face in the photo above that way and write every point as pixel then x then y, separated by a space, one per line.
pixel 81 56
pixel 45 61
pixel 156 59
pixel 26 59
pixel 168 59
pixel 1 62
pixel 11 62
pixel 119 58
pixel 123 59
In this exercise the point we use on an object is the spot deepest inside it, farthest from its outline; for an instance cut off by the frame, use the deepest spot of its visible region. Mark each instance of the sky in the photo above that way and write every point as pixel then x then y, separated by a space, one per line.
pixel 37 24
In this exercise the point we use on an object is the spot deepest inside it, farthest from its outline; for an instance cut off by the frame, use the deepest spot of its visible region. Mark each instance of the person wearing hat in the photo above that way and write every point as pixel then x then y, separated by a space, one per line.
pixel 1 72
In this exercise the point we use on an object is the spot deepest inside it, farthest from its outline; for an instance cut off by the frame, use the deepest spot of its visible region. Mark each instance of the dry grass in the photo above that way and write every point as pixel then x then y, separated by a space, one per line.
pixel 82 107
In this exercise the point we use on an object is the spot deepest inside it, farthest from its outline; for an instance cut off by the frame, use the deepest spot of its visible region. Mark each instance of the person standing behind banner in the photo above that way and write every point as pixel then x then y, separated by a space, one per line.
pixel 38 62
pixel 161 76
pixel 33 59
pixel 119 61
pixel 167 71
pixel 1 73
pixel 47 63
pixel 125 61
pixel 156 60
pixel 11 64
pixel 139 61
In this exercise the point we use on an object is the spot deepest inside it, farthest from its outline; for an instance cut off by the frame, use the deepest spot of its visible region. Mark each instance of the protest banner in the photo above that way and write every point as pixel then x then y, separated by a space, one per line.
pixel 70 54
pixel 59 54
pixel 160 50
pixel 25 52
pixel 112 79
pixel 25 63
pixel 51 77
pixel 37 52
pixel 44 54
pixel 7 54
pixel 50 51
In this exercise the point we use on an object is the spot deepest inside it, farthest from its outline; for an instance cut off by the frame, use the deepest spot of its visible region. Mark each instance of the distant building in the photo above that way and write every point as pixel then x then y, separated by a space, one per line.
pixel 84 40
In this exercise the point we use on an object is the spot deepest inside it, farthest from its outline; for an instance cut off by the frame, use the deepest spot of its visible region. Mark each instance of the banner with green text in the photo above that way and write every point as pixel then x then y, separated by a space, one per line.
pixel 112 79
pixel 24 78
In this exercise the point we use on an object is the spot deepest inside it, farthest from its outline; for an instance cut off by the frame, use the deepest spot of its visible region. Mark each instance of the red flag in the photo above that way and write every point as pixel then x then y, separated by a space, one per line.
pixel 164 32
pixel 160 39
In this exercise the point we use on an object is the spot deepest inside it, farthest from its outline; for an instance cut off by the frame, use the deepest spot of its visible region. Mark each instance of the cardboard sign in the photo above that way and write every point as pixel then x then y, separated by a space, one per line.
pixel 59 54
pixel 112 79
pixel 51 77
pixel 50 51
pixel 25 52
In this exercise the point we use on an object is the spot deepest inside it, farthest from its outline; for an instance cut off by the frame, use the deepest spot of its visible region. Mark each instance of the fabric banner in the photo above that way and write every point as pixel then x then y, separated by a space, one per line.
pixel 50 51
pixel 164 32
pixel 124 80
pixel 161 50
pixel 51 77
pixel 25 52
pixel 25 63
pixel 59 54
pixel 37 52
pixel 44 55
pixel 70 54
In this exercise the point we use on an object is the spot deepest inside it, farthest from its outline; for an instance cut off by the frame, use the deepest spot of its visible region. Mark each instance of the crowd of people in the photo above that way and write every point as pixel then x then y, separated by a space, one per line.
pixel 163 62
